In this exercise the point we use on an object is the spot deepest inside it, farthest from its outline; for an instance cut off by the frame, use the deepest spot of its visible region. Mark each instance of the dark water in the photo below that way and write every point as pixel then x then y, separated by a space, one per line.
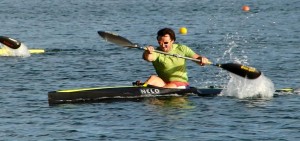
pixel 267 38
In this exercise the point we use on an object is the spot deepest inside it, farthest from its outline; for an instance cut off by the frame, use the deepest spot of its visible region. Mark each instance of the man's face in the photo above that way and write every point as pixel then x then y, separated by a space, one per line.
pixel 165 42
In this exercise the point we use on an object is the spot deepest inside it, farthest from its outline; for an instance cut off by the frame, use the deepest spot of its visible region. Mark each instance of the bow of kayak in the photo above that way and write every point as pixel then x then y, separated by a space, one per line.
pixel 36 51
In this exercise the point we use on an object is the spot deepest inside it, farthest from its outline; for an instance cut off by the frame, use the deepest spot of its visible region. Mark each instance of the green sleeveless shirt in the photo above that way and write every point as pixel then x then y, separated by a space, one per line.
pixel 171 68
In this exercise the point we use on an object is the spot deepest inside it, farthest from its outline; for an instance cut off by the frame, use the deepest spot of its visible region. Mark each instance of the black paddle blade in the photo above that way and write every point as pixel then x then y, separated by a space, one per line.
pixel 241 70
pixel 12 43
pixel 116 39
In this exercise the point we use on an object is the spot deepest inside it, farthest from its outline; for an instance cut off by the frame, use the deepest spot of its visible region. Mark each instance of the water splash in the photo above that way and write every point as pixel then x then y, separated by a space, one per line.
pixel 237 86
pixel 22 51
pixel 241 88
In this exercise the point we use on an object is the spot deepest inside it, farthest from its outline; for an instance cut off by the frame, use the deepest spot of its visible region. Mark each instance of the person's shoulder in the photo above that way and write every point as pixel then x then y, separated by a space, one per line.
pixel 181 46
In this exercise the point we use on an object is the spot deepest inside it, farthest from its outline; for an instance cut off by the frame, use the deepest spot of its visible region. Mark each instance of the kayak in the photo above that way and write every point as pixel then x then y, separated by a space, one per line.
pixel 127 93
pixel 134 93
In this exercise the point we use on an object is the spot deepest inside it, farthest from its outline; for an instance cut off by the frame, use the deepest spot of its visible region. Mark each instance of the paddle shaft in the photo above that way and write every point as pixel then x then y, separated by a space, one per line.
pixel 241 70
pixel 177 56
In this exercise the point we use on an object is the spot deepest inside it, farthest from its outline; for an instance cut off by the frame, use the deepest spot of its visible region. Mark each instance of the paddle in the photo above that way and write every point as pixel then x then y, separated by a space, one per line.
pixel 238 69
pixel 12 43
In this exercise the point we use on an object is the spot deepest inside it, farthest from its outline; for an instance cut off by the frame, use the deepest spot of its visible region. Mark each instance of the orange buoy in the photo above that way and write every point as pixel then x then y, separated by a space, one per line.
pixel 246 8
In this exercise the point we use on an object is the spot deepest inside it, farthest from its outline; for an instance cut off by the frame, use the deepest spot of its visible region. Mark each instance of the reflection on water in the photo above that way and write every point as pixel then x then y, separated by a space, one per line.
pixel 171 102
pixel 255 102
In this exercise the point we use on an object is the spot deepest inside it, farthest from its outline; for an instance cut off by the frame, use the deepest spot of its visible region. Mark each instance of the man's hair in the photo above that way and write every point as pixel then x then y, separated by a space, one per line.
pixel 165 31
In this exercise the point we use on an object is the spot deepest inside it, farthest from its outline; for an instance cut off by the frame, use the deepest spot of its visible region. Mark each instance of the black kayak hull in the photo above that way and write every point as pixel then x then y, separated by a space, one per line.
pixel 129 93
pixel 122 93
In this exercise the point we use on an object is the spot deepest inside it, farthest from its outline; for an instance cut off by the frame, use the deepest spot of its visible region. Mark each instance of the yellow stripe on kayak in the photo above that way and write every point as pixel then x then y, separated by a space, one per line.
pixel 36 51
pixel 285 90
pixel 86 89
pixel 95 88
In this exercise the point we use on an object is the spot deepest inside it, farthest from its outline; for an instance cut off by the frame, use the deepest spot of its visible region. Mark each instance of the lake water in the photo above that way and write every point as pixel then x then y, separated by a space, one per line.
pixel 266 37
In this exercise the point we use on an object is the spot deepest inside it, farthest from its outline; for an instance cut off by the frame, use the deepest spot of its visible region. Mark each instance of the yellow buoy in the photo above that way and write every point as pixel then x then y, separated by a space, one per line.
pixel 183 30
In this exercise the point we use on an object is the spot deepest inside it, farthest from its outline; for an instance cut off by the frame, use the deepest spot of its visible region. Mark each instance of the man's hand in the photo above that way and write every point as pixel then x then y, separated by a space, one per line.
pixel 203 61
pixel 148 53
pixel 150 49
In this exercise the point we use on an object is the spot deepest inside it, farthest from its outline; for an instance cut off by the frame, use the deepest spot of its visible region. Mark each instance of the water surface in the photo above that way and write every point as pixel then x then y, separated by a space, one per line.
pixel 267 38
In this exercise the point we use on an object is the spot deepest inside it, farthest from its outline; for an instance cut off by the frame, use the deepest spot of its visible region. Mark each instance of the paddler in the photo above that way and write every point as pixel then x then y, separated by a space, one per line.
pixel 171 71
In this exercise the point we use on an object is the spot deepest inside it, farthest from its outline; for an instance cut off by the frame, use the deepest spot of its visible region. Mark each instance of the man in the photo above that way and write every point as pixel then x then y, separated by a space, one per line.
pixel 171 71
